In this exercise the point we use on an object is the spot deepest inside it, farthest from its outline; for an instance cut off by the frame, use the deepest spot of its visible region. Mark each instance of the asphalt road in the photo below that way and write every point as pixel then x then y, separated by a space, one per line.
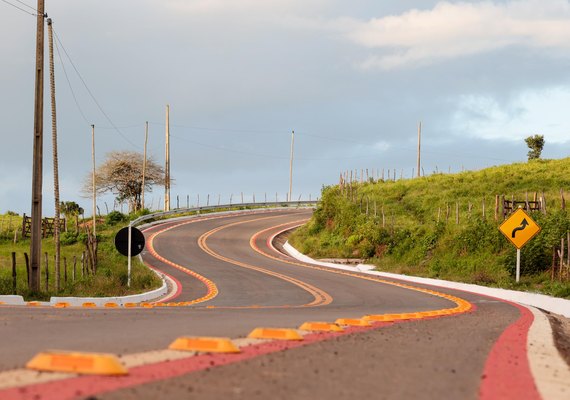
pixel 431 358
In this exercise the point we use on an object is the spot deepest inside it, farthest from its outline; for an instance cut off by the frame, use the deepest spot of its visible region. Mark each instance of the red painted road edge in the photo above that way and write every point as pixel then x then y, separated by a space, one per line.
pixel 507 373
pixel 83 386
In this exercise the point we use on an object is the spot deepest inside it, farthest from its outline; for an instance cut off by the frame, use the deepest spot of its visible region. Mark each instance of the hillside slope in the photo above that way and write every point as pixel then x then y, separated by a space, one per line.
pixel 444 225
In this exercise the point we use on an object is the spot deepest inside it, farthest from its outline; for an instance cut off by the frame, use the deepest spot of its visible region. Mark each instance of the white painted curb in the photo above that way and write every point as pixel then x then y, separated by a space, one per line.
pixel 548 303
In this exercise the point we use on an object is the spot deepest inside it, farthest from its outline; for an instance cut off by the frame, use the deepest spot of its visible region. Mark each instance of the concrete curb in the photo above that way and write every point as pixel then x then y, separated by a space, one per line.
pixel 548 303
pixel 99 301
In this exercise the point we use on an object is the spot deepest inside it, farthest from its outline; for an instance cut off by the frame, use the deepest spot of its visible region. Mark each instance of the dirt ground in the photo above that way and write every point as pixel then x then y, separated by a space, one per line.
pixel 561 331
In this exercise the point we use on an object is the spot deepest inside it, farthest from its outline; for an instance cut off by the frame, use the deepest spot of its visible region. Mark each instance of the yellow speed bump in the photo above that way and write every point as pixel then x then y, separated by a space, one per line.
pixel 89 305
pixel 352 322
pixel 62 304
pixel 33 303
pixel 130 305
pixel 111 305
pixel 80 363
pixel 320 327
pixel 207 344
pixel 275 333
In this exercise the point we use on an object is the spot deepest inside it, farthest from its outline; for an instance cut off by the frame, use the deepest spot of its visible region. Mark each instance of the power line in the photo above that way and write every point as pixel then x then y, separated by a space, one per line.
pixel 21 9
pixel 27 5
pixel 69 84
pixel 92 95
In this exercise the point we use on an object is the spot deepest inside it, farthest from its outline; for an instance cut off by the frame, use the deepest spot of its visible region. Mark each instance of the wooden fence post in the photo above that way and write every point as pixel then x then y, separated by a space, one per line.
pixel 483 208
pixel 563 200
pixel 46 259
pixel 27 268
pixel 65 270
pixel 14 276
pixel 74 268
pixel 543 203
pixel 496 207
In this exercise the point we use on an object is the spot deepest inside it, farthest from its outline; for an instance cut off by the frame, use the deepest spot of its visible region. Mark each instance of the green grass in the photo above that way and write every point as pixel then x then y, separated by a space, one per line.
pixel 411 239
pixel 109 280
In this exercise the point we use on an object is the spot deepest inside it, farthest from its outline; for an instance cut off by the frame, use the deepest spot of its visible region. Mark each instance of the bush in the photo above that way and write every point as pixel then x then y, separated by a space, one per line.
pixel 115 217
pixel 68 238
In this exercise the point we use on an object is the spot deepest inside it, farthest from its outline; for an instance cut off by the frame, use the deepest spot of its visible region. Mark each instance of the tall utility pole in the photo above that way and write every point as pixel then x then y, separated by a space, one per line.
pixel 94 183
pixel 290 196
pixel 167 162
pixel 419 148
pixel 144 163
pixel 37 167
pixel 56 226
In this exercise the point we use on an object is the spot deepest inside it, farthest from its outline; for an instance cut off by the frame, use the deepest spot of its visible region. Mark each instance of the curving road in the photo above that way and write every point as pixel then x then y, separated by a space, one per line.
pixel 229 280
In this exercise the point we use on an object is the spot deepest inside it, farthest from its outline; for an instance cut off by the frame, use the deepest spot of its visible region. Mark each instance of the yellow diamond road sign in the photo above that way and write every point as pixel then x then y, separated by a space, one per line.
pixel 519 228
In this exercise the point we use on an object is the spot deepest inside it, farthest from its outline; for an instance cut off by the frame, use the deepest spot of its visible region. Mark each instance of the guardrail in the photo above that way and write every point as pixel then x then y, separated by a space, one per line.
pixel 162 214
pixel 177 211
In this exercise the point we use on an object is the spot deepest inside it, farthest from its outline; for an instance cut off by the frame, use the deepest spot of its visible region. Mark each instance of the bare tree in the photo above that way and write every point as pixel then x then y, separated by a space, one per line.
pixel 122 174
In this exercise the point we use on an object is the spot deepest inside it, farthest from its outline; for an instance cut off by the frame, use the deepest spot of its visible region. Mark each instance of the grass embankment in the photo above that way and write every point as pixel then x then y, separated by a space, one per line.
pixel 110 278
pixel 410 226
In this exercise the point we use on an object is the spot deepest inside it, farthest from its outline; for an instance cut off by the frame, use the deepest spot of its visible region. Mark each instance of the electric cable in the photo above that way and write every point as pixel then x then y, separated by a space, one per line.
pixel 92 95
pixel 20 8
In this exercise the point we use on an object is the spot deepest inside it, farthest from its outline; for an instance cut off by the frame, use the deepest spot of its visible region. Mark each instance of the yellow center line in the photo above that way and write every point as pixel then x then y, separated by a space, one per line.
pixel 461 304
pixel 321 297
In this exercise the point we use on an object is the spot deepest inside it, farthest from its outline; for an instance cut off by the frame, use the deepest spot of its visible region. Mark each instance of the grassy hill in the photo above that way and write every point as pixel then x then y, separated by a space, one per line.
pixel 435 225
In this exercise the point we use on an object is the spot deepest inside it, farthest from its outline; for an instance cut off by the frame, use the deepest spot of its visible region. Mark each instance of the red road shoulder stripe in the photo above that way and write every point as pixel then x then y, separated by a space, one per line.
pixel 507 372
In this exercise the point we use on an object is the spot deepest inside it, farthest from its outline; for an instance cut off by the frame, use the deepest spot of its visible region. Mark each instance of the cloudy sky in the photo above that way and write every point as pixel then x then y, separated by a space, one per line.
pixel 353 79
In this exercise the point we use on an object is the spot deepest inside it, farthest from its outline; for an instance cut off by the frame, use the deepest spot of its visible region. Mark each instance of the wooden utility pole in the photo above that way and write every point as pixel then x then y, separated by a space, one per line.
pixel 94 183
pixel 167 162
pixel 55 159
pixel 144 164
pixel 37 165
pixel 290 196
pixel 419 147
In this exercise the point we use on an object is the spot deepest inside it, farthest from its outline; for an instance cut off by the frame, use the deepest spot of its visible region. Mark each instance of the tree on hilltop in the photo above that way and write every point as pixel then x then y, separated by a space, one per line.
pixel 535 144
pixel 121 174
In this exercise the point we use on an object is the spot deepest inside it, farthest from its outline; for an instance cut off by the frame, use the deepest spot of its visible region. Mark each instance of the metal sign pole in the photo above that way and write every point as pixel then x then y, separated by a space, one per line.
pixel 518 264
pixel 129 254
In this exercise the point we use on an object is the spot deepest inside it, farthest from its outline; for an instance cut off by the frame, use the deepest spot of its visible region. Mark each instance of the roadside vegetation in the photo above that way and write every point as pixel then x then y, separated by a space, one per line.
pixel 435 226
pixel 109 279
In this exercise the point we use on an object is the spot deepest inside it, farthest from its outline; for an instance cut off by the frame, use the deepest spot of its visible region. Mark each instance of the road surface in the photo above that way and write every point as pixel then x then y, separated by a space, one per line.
pixel 229 280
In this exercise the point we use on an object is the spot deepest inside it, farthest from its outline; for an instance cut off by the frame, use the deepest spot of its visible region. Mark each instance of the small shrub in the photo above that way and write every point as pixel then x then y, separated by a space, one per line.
pixel 68 238
pixel 115 217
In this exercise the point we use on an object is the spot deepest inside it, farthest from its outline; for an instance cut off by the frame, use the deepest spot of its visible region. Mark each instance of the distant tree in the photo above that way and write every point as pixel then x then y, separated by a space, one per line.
pixel 121 174
pixel 71 209
pixel 535 144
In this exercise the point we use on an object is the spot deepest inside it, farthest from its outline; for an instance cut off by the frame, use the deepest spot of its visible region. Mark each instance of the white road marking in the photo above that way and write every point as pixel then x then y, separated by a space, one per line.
pixel 551 373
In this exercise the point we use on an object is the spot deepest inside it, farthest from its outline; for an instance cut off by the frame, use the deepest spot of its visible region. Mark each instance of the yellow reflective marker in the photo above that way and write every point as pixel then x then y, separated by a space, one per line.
pixel 206 344
pixel 275 333
pixel 320 327
pixel 80 363
pixel 519 228
pixel 353 322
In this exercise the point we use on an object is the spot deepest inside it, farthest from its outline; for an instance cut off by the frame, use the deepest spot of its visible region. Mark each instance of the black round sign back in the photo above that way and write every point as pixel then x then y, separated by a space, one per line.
pixel 122 241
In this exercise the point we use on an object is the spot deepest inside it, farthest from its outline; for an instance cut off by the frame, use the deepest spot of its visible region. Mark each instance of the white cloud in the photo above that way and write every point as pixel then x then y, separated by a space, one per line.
pixel 452 30
pixel 540 112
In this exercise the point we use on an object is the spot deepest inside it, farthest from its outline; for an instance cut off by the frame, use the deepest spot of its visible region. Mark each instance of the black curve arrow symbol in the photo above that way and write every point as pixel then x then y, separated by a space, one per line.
pixel 524 224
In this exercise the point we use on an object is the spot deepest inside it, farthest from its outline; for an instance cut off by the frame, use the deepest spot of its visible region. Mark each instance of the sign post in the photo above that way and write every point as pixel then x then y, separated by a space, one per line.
pixel 130 242
pixel 519 228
